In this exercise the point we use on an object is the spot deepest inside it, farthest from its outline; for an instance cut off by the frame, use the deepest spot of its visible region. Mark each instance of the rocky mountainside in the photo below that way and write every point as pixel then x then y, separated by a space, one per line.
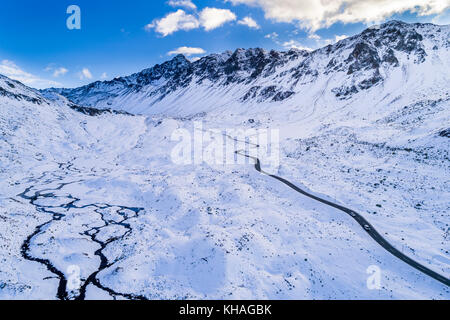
pixel 345 69
pixel 32 124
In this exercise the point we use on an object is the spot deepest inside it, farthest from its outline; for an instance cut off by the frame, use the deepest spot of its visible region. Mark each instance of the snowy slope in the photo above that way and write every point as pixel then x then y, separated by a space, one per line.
pixel 359 125
pixel 376 63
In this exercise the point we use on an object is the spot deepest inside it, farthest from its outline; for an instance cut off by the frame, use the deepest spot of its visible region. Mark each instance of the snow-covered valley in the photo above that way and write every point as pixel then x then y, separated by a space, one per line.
pixel 363 123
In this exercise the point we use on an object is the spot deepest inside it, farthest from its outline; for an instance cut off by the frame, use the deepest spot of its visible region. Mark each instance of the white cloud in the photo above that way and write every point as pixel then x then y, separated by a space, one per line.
pixel 442 19
pixel 60 71
pixel 56 71
pixel 11 70
pixel 173 22
pixel 249 22
pixel 315 14
pixel 182 3
pixel 340 37
pixel 320 42
pixel 272 35
pixel 85 74
pixel 212 18
pixel 293 44
pixel 104 76
pixel 208 18
pixel 188 51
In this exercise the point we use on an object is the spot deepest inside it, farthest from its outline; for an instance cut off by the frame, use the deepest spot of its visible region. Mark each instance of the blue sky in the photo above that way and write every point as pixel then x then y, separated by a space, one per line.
pixel 122 37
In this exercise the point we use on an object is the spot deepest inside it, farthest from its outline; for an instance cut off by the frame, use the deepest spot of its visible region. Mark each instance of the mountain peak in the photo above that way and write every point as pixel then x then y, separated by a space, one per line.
pixel 180 58
pixel 397 23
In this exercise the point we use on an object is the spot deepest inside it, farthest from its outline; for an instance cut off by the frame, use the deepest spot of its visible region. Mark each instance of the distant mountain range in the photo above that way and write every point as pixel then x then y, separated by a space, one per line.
pixel 394 51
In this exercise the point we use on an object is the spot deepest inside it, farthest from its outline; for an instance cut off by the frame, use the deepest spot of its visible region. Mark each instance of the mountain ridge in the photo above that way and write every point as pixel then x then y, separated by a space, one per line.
pixel 362 62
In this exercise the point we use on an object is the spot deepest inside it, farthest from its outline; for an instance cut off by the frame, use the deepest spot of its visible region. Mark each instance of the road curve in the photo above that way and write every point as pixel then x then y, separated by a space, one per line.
pixel 374 234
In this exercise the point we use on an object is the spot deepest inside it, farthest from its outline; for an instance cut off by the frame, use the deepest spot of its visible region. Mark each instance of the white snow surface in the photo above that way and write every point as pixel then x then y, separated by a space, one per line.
pixel 228 232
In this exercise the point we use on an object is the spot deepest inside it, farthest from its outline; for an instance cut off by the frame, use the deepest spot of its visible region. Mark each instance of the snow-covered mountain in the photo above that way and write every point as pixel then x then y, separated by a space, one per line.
pixel 380 59
pixel 364 123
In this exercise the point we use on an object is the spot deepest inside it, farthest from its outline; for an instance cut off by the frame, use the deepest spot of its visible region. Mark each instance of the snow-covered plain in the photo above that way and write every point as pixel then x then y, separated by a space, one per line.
pixel 106 196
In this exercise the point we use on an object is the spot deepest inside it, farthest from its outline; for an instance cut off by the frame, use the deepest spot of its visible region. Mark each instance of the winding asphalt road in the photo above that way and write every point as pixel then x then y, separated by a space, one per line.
pixel 374 234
